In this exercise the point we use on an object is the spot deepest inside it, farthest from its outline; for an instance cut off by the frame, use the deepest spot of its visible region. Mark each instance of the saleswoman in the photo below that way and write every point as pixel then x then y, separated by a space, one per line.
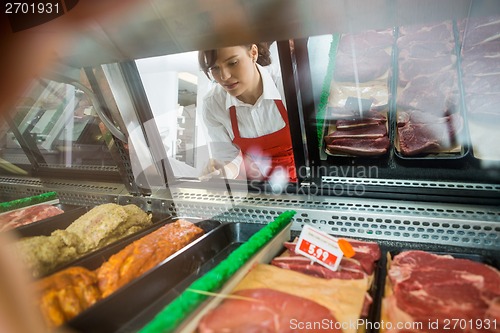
pixel 245 114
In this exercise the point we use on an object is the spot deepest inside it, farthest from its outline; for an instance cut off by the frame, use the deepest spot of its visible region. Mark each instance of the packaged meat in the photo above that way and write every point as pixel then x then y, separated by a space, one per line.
pixel 364 56
pixel 95 229
pixel 363 135
pixel 24 216
pixel 420 133
pixel 428 292
pixel 357 90
pixel 362 62
pixel 68 292
pixel 429 116
pixel 480 52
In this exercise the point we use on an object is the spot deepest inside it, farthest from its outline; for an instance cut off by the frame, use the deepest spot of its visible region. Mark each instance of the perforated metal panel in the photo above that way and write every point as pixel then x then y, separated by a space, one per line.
pixel 109 168
pixel 444 224
pixel 409 183
pixel 471 226
pixel 75 193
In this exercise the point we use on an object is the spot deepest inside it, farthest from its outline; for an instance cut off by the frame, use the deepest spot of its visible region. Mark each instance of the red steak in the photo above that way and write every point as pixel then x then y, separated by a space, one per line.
pixel 28 215
pixel 418 138
pixel 376 131
pixel 439 288
pixel 370 118
pixel 267 310
pixel 361 147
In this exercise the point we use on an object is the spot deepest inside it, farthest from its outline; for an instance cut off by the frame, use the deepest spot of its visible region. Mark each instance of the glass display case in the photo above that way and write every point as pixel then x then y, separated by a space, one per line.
pixel 391 108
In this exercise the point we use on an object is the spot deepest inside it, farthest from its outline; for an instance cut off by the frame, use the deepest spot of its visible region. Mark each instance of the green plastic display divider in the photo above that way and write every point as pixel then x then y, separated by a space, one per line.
pixel 24 202
pixel 325 91
pixel 174 313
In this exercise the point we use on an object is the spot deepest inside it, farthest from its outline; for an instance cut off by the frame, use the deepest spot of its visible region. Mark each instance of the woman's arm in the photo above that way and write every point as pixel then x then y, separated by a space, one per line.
pixel 224 153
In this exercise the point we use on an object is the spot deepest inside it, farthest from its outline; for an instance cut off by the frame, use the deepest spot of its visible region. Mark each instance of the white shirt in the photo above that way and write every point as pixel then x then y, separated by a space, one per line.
pixel 253 120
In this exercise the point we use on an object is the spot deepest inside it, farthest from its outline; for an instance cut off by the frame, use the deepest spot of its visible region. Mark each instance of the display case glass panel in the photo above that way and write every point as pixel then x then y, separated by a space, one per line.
pixel 57 125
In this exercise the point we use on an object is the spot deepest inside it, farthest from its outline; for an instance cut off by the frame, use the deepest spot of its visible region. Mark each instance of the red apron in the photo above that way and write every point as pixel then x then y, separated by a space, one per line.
pixel 274 149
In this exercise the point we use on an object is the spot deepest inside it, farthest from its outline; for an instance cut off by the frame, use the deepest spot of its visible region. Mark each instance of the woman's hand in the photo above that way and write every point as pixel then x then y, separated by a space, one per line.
pixel 217 169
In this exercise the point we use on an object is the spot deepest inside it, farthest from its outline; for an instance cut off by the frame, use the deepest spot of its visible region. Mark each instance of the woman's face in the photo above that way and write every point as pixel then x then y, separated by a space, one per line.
pixel 235 69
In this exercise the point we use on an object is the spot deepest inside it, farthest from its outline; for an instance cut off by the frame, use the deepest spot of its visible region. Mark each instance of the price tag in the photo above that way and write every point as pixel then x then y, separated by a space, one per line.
pixel 320 247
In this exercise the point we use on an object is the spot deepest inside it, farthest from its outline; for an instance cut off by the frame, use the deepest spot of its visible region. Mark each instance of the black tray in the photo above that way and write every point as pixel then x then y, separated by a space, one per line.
pixel 46 226
pixel 134 305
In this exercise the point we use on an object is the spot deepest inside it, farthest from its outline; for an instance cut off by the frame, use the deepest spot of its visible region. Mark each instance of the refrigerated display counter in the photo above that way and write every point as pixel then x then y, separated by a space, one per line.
pixel 393 114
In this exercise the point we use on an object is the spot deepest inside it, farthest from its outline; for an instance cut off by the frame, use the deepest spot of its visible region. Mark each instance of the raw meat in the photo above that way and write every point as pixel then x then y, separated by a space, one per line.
pixel 428 287
pixel 453 121
pixel 266 310
pixel 363 57
pixel 488 50
pixel 432 102
pixel 369 66
pixel 415 139
pixel 370 118
pixel 344 298
pixel 481 69
pixel 415 49
pixel 65 294
pixel 484 107
pixel 98 227
pixel 366 40
pixel 20 217
pixel 376 131
pixel 427 85
pixel 435 94
pixel 348 269
pixel 144 254
pixel 361 147
pixel 482 84
pixel 484 65
pixel 481 31
pixel 360 266
pixel 363 249
pixel 427 33
pixel 410 68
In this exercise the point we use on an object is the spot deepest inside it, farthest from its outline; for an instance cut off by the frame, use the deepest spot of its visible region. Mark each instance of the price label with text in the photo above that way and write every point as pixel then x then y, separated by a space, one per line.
pixel 320 247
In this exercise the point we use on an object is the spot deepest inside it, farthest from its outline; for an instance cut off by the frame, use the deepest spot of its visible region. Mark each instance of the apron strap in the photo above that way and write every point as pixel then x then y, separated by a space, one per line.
pixel 234 122
pixel 282 109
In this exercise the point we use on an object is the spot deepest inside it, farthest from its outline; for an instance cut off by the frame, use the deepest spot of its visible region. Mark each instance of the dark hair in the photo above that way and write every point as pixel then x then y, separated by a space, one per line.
pixel 207 58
